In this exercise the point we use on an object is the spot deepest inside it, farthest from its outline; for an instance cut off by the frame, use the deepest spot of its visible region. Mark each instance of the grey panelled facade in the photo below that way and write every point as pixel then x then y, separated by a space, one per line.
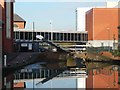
pixel 56 36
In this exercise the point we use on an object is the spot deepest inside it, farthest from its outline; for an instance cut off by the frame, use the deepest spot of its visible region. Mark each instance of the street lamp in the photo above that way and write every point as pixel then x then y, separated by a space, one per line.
pixel 108 29
pixel 51 27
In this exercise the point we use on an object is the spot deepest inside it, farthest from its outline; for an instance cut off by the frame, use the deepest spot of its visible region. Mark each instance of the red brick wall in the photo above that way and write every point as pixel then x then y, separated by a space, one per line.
pixel 21 25
pixel 102 78
pixel 103 18
pixel 89 24
pixel 89 80
pixel 7 43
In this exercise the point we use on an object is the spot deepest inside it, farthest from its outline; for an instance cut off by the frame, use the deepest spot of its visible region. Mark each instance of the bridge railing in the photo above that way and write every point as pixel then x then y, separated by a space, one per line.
pixel 45 73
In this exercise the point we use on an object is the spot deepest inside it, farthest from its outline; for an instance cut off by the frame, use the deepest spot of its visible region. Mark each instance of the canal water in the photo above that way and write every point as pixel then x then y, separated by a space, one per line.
pixel 98 75
pixel 103 75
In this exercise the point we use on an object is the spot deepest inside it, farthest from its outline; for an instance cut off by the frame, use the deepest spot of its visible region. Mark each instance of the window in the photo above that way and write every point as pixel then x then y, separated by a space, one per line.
pixel 54 36
pixel 61 36
pixel 65 36
pixel 68 36
pixel 46 36
pixel 72 36
pixel 58 36
pixel 8 19
pixel 79 37
pixel 30 35
pixel 76 36
pixel 26 35
pixel 17 35
pixel 21 35
pixel 49 36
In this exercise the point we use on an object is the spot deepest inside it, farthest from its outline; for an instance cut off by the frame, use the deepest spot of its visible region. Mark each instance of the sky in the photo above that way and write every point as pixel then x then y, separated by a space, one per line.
pixel 62 14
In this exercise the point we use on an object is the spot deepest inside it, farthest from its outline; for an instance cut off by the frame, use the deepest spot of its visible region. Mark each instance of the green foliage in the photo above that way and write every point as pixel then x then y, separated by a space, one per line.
pixel 116 53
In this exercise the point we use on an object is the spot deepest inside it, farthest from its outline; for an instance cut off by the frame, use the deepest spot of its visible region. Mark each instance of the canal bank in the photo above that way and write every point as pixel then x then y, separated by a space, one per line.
pixel 97 57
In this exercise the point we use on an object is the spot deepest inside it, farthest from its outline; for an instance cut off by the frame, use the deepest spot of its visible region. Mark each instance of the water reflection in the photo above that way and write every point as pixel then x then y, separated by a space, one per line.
pixel 103 75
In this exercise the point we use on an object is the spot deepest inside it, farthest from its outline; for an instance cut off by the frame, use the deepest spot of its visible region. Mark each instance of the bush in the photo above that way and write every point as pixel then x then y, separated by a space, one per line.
pixel 116 53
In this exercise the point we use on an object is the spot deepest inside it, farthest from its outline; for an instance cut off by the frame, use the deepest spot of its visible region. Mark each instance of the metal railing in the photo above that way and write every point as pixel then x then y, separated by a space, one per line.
pixel 45 73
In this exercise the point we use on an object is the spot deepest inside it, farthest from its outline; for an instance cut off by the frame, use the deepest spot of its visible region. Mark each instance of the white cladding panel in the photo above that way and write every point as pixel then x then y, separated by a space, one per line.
pixel 81 83
pixel 81 12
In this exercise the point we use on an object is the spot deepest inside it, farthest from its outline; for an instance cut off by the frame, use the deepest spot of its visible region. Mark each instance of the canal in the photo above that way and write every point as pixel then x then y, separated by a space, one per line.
pixel 95 75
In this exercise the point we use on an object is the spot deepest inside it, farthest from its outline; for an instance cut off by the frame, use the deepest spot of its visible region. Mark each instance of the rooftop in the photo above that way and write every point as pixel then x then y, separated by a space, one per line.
pixel 18 18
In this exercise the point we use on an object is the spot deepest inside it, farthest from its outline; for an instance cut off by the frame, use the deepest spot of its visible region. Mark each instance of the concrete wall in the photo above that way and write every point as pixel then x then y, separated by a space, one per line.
pixel 102 43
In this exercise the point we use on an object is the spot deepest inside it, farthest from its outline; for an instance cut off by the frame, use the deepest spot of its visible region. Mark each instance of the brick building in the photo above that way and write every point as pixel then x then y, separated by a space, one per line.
pixel 101 24
pixel 19 22
pixel 6 36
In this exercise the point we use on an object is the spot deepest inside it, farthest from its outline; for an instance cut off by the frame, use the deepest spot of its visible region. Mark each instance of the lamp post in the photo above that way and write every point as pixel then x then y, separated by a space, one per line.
pixel 108 29
pixel 51 27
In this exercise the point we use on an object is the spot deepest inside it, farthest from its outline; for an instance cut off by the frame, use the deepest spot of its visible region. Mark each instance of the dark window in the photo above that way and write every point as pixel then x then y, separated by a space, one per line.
pixel 49 36
pixel 21 35
pixel 46 35
pixel 58 36
pixel 79 37
pixel 68 36
pixel 72 36
pixel 75 36
pixel 30 35
pixel 34 35
pixel 17 35
pixel 26 35
pixel 54 36
pixel 61 36
pixel 65 36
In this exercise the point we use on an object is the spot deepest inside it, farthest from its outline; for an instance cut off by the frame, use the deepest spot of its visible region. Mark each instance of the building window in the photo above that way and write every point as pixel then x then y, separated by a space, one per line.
pixel 21 35
pixel 65 36
pixel 26 35
pixel 17 35
pixel 30 35
pixel 8 19
pixel 72 36
pixel 54 36
pixel 46 36
pixel 76 36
